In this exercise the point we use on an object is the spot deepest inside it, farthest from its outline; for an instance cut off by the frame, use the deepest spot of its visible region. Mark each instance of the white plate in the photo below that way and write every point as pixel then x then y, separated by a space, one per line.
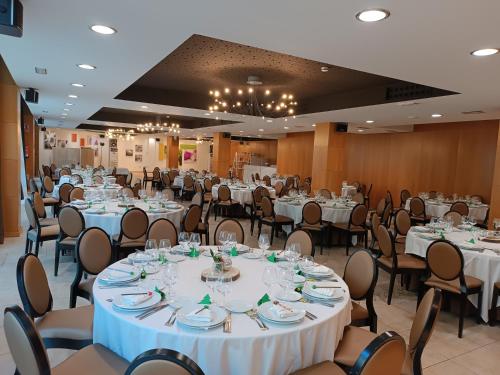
pixel 181 249
pixel 308 272
pixel 118 303
pixel 158 210
pixel 143 258
pixel 172 206
pixel 470 246
pixel 175 258
pixel 299 279
pixel 239 306
pixel 429 236
pixel 110 277
pixel 219 315
pixel 95 211
pixel 308 290
pixel 290 296
pixel 264 312
pixel 251 255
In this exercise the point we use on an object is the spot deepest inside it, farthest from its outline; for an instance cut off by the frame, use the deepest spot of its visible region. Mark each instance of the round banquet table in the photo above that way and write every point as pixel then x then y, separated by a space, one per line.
pixel 111 191
pixel 483 265
pixel 111 220
pixel 243 195
pixel 247 350
pixel 435 209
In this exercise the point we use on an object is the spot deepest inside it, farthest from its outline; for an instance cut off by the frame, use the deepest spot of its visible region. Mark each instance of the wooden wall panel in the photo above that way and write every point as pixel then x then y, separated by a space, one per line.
pixel 267 150
pixel 221 162
pixel 172 157
pixel 295 153
pixel 495 188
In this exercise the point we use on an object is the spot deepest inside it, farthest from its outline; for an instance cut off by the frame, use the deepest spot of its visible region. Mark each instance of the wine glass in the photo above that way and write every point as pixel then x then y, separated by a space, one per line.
pixel 170 274
pixel 264 241
pixel 195 239
pixel 151 249
pixel 183 239
pixel 223 238
pixel 231 241
pixel 164 248
pixel 269 277
pixel 224 287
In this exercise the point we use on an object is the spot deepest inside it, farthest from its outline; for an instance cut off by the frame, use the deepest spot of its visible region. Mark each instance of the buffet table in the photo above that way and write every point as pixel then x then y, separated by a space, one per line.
pixel 247 350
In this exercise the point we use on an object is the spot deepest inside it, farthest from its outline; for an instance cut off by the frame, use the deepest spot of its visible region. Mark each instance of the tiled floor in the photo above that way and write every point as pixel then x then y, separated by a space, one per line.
pixel 478 352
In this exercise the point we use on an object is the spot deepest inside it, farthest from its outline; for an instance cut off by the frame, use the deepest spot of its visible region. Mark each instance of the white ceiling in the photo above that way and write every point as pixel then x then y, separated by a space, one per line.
pixel 424 41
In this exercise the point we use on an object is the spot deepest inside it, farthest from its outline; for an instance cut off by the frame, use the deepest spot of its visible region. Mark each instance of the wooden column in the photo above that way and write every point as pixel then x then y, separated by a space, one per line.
pixel 172 152
pixel 10 153
pixel 328 158
pixel 221 155
pixel 495 186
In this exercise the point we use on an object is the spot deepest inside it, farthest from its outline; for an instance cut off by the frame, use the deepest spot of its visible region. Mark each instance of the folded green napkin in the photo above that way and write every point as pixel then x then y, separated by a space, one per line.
pixel 265 298
pixel 442 236
pixel 272 257
pixel 194 253
pixel 234 251
pixel 162 295
pixel 205 300
pixel 472 241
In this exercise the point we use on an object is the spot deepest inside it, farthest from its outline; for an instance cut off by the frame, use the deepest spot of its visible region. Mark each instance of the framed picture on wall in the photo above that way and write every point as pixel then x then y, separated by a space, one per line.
pixel 62 143
pixel 129 152
pixel 49 140
pixel 113 145
pixel 138 148
pixel 74 137
pixel 138 158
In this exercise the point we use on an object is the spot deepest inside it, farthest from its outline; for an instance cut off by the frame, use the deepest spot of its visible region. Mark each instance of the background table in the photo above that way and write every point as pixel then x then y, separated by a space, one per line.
pixel 348 191
pixel 436 209
pixel 484 266
pixel 247 350
pixel 242 195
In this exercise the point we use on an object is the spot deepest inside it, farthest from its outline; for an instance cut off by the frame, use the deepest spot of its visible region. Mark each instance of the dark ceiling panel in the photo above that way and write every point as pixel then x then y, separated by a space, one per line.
pixel 200 64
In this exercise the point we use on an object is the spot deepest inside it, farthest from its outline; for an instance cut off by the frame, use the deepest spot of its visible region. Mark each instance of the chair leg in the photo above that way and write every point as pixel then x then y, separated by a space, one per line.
pixel 56 260
pixel 252 221
pixel 37 246
pixel 366 239
pixel 259 228
pixel 391 287
pixel 272 234
pixel 479 305
pixel 347 242
pixel 463 300
pixel 72 299
pixel 493 310
pixel 26 250
pixel 373 325
pixel 207 239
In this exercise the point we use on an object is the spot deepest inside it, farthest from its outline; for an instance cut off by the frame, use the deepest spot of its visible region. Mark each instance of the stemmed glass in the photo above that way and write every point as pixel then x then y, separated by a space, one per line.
pixel 230 241
pixel 164 249
pixel 184 240
pixel 151 250
pixel 195 241
pixel 223 238
pixel 269 277
pixel 170 273
pixel 263 243
pixel 224 287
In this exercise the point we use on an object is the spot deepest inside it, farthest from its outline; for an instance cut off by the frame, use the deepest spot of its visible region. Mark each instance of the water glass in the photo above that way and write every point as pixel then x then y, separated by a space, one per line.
pixel 223 237
pixel 184 239
pixel 269 277
pixel 264 241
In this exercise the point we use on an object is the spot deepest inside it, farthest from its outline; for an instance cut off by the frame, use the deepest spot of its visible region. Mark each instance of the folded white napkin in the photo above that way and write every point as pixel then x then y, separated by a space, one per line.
pixel 281 312
pixel 203 316
pixel 136 300
pixel 319 269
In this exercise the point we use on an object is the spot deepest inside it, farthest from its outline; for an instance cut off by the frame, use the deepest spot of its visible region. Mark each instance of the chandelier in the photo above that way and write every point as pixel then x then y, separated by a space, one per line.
pixel 146 128
pixel 253 100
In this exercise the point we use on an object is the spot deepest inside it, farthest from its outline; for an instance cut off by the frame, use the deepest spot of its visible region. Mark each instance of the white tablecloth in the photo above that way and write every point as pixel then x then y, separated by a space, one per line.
pixel 110 191
pixel 435 209
pixel 484 266
pixel 242 195
pixel 245 351
pixel 110 221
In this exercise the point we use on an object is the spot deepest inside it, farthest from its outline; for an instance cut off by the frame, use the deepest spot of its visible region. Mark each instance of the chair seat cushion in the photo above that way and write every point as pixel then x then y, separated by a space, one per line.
pixel 453 285
pixel 405 261
pixel 87 284
pixel 202 226
pixel 280 219
pixel 73 324
pixel 69 241
pixel 48 221
pixel 50 200
pixel 358 312
pixel 128 242
pixel 317 226
pixel 323 368
pixel 50 231
pixel 345 226
pixel 93 359
pixel 353 342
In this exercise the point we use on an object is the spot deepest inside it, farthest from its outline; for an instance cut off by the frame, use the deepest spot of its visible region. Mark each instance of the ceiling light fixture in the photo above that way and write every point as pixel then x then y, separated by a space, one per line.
pixel 103 29
pixel 324 69
pixel 361 130
pixel 70 104
pixel 484 52
pixel 286 127
pixel 144 107
pixel 261 130
pixel 369 121
pixel 86 66
pixel 436 115
pixel 372 15
pixel 72 96
pixel 66 109
pixel 77 85
pixel 313 125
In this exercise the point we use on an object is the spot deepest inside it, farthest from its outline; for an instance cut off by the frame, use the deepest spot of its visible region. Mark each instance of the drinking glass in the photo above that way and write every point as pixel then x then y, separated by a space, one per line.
pixel 183 239
pixel 170 274
pixel 231 241
pixel 224 286
pixel 223 238
pixel 496 223
pixel 269 277
pixel 151 249
pixel 164 249
pixel 307 262
pixel 195 239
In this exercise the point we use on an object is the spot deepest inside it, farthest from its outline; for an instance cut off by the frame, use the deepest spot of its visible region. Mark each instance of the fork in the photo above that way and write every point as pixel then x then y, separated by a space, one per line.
pixel 170 322
pixel 227 323
pixel 258 320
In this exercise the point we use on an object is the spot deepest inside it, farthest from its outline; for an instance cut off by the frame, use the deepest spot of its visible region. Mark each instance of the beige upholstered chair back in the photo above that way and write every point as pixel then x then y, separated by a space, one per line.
pixel 417 206
pixel 169 194
pixel 454 216
pixel 163 229
pixel 358 198
pixel 386 355
pixel 197 199
pixel 71 221
pixel 65 192
pixel 127 192
pixel 39 206
pixel 384 241
pixel 136 189
pixel 278 187
pixel 159 367
pixel 358 215
pixel 404 196
pixel 215 180
pixel 156 174
pixel 290 181
pixel 325 193
pixel 303 239
pixel 311 213
pixel 35 285
pixel 224 193
pixel 134 223
pixel 77 179
pixel 48 185
pixel 76 194
pixel 121 180
pixel 166 180
pixel 94 250
pixel 445 260
pixel 359 274
pixel 192 218
pixel 198 188
pixel 380 207
pixel 188 182
pixel 30 213
pixel 460 207
pixel 402 222
pixel 267 207
pixel 207 184
pixel 98 179
pixel 229 225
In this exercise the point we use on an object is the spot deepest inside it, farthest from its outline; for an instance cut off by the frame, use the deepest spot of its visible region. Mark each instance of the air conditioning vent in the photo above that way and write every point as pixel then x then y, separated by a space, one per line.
pixel 408 92
pixel 39 70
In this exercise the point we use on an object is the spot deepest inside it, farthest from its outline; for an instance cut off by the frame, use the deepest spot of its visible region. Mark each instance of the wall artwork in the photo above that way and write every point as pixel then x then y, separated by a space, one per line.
pixel 138 148
pixel 82 142
pixel 189 157
pixel 129 152
pixel 138 157
pixel 49 140
pixel 62 143
pixel 74 137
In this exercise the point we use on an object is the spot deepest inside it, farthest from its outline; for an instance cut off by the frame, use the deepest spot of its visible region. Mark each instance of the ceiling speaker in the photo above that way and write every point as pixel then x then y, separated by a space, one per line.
pixel 341 127
pixel 31 95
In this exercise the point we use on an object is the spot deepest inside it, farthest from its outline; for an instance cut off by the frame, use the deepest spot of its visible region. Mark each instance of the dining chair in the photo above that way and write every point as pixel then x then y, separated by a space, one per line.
pixel 77 179
pixel 224 201
pixel 136 189
pixel 367 196
pixel 187 187
pixel 229 225
pixel 360 275
pixel 358 198
pixel 203 226
pixel 47 190
pixel 94 253
pixel 279 188
pixel 197 199
pixel 417 211
pixel 432 194
pixel 198 188
pixel 146 178
pixel 454 216
pixel 165 180
pixel 128 180
pixel 65 193
pixel 461 207
pixel 494 302
pixel 384 354
pixel 380 207
pixel 127 192
pixel 71 224
pixel 162 229
pixel 121 180
pixel 387 214
pixel 355 226
pixel 404 195
pixel 289 182
pixel 207 186
pixel 215 180
pixel 270 218
pixel 394 263
pixel 374 223
pixel 67 328
pixel 355 339
pixel 76 193
pixel 402 224
pixel 325 193
pixel 257 176
pixel 40 211
pixel 169 194
pixel 36 233
pixel 267 180
pixel 445 269
pixel 30 356
pixel 163 361
pixel 306 187
pixel 133 228
pixel 312 221
pixel 191 219
pixel 65 171
pixel 98 179
pixel 156 180
pixel 303 239
pixel 255 208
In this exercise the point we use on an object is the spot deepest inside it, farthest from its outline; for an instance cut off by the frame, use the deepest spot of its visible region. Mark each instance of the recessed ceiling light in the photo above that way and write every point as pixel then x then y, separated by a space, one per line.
pixel 102 29
pixel 72 96
pixel 361 130
pixel 324 69
pixel 241 131
pixel 372 15
pixel 66 109
pixel 86 66
pixel 261 130
pixel 369 121
pixel 484 52
pixel 313 125
pixel 70 104
pixel 144 107
pixel 207 114
pixel 78 85
pixel 436 115
pixel 286 127
pixel 269 120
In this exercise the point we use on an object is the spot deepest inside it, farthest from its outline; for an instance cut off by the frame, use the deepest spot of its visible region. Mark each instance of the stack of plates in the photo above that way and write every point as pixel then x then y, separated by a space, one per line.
pixel 470 246
pixel 310 293
pixel 264 311
pixel 311 272
pixel 218 317
pixel 119 303
pixel 141 257
pixel 172 206
pixel 109 277
pixel 157 210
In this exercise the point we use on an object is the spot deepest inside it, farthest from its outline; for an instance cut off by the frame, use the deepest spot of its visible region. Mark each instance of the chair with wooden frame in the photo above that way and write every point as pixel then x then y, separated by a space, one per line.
pixel 30 355
pixel 163 361
pixel 36 233
pixel 387 214
pixel 215 180
pixel 136 188
pixel 224 201
pixel 207 187
pixel 374 223
pixel 417 211
pixel 325 193
pixel 187 187
pixel 358 198
pixel 355 226
pixel 146 178
pixel 454 216
pixel 162 229
pixel 191 219
pixel 65 193
pixel 404 195
pixel 197 199
pixel 40 211
pixel 360 275
pixel 128 179
pixel 76 179
pixel 267 180
pixel 71 224
pixel 270 218
pixel 402 224
pixel 367 196
pixel 279 188
pixel 94 253
pixel 203 226
pixel 165 181
pixel 77 193
pixel 133 228
pixel 303 238
pixel 121 180
pixel 394 263
pixel 445 268
pixel 156 181
pixel 67 328
pixel 312 221
pixel 229 225
pixel 47 190
pixel 461 207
